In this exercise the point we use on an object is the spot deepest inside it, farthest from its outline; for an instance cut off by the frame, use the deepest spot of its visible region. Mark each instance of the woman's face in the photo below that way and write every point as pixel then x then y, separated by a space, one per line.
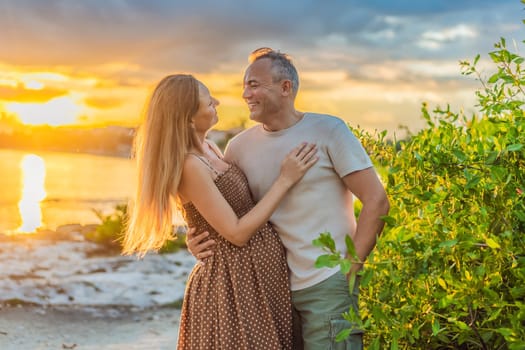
pixel 206 116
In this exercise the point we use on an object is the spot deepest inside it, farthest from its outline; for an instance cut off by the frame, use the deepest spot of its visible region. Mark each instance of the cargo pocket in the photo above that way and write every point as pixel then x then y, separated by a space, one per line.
pixel 354 341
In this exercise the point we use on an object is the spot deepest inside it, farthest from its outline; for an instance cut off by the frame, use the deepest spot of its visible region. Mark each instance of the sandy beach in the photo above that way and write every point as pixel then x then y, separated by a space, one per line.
pixel 58 291
pixel 30 327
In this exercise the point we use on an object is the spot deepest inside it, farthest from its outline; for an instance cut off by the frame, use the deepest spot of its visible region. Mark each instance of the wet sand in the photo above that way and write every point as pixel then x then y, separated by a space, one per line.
pixel 40 328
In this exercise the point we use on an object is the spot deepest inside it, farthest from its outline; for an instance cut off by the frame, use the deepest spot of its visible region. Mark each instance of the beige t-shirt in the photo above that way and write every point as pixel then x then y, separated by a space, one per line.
pixel 319 202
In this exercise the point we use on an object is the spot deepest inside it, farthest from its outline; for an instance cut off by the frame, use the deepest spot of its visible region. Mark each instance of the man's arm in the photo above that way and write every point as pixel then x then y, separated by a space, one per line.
pixel 366 186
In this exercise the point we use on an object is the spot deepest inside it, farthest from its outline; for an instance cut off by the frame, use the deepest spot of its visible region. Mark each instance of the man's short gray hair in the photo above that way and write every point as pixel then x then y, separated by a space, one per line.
pixel 282 66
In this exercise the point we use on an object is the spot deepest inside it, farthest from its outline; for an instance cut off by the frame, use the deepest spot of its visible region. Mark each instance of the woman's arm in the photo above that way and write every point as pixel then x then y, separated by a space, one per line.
pixel 198 186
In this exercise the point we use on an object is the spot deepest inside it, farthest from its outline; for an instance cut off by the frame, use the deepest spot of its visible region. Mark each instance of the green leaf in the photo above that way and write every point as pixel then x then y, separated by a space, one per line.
pixel 507 79
pixel 448 244
pixel 389 220
pixel 327 260
pixel 495 56
pixel 375 345
pixel 498 172
pixel 394 345
pixel 462 325
pixel 366 276
pixel 378 314
pixel 342 335
pixel 350 247
pixel 506 332
pixel 517 345
pixel 435 327
pixel 492 243
pixel 520 215
pixel 461 156
pixel 515 147
pixel 492 156
pixel 476 59
pixel 351 282
pixel 325 240
pixel 345 266
pixel 442 283
pixel 518 292
pixel 472 182
pixel 494 78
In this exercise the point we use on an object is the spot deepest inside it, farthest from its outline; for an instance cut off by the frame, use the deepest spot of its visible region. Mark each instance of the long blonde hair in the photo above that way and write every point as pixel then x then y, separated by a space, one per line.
pixel 163 139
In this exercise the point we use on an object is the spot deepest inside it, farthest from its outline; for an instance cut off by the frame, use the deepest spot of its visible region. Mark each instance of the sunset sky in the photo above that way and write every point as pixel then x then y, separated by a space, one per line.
pixel 370 62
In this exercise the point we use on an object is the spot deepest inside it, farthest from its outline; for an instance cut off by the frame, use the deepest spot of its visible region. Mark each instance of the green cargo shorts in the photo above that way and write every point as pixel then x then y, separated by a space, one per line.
pixel 317 315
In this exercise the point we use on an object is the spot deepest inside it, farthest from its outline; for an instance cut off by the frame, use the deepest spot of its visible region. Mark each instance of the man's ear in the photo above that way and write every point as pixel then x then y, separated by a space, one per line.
pixel 286 87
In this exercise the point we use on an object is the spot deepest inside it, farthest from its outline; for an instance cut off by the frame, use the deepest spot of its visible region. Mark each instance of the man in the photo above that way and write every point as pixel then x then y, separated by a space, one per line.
pixel 321 201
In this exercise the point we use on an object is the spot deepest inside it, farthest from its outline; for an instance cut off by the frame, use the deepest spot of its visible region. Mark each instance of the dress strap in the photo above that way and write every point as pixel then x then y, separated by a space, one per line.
pixel 215 149
pixel 206 162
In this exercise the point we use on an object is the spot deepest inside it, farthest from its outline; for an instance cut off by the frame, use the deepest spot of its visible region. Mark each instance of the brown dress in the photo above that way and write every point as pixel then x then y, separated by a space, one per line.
pixel 239 299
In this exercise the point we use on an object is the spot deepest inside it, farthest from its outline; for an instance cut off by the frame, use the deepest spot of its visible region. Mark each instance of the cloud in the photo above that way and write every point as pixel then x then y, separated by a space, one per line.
pixel 184 36
pixel 20 93
pixel 103 102
pixel 435 39
pixel 409 7
pixel 110 50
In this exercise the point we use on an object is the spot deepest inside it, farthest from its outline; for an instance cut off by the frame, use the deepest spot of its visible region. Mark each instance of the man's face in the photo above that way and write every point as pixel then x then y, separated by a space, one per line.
pixel 262 95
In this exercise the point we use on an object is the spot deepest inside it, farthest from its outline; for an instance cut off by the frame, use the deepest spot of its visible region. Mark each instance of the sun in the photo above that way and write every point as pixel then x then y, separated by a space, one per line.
pixel 55 112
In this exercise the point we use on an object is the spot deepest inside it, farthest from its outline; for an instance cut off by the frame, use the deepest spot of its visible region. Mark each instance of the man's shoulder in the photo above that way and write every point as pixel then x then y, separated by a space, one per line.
pixel 326 120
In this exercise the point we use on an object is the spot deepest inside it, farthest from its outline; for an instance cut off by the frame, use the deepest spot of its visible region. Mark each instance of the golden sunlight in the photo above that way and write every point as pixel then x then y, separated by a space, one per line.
pixel 58 111
pixel 33 192
pixel 34 85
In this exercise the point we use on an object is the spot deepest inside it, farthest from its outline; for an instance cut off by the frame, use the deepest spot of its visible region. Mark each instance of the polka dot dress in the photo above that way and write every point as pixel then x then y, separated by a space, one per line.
pixel 240 298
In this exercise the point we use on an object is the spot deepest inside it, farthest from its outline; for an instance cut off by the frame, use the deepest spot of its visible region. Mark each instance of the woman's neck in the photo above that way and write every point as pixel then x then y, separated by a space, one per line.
pixel 205 148
pixel 202 140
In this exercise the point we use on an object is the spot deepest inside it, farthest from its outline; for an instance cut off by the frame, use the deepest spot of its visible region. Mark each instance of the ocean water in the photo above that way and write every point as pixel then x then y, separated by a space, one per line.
pixel 48 189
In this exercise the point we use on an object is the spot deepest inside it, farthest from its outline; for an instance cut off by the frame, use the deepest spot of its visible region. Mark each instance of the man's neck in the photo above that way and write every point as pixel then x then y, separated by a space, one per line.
pixel 285 121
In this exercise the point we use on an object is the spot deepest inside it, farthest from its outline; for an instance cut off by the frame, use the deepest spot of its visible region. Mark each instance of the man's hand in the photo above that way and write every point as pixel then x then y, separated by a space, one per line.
pixel 199 249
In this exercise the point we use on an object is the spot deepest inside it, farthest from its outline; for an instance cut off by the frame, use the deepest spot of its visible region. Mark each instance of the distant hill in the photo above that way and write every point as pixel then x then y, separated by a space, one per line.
pixel 111 140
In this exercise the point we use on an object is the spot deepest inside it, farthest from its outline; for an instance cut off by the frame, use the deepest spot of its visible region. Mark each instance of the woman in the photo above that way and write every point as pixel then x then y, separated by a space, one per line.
pixel 238 299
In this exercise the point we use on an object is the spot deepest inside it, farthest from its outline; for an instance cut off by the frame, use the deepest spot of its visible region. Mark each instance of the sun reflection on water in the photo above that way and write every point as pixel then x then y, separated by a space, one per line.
pixel 33 192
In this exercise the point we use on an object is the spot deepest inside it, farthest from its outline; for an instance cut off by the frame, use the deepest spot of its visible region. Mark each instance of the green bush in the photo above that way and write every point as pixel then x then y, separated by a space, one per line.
pixel 449 270
pixel 111 230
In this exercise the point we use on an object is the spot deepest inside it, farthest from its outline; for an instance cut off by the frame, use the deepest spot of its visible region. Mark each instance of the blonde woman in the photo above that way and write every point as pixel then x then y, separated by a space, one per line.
pixel 239 298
